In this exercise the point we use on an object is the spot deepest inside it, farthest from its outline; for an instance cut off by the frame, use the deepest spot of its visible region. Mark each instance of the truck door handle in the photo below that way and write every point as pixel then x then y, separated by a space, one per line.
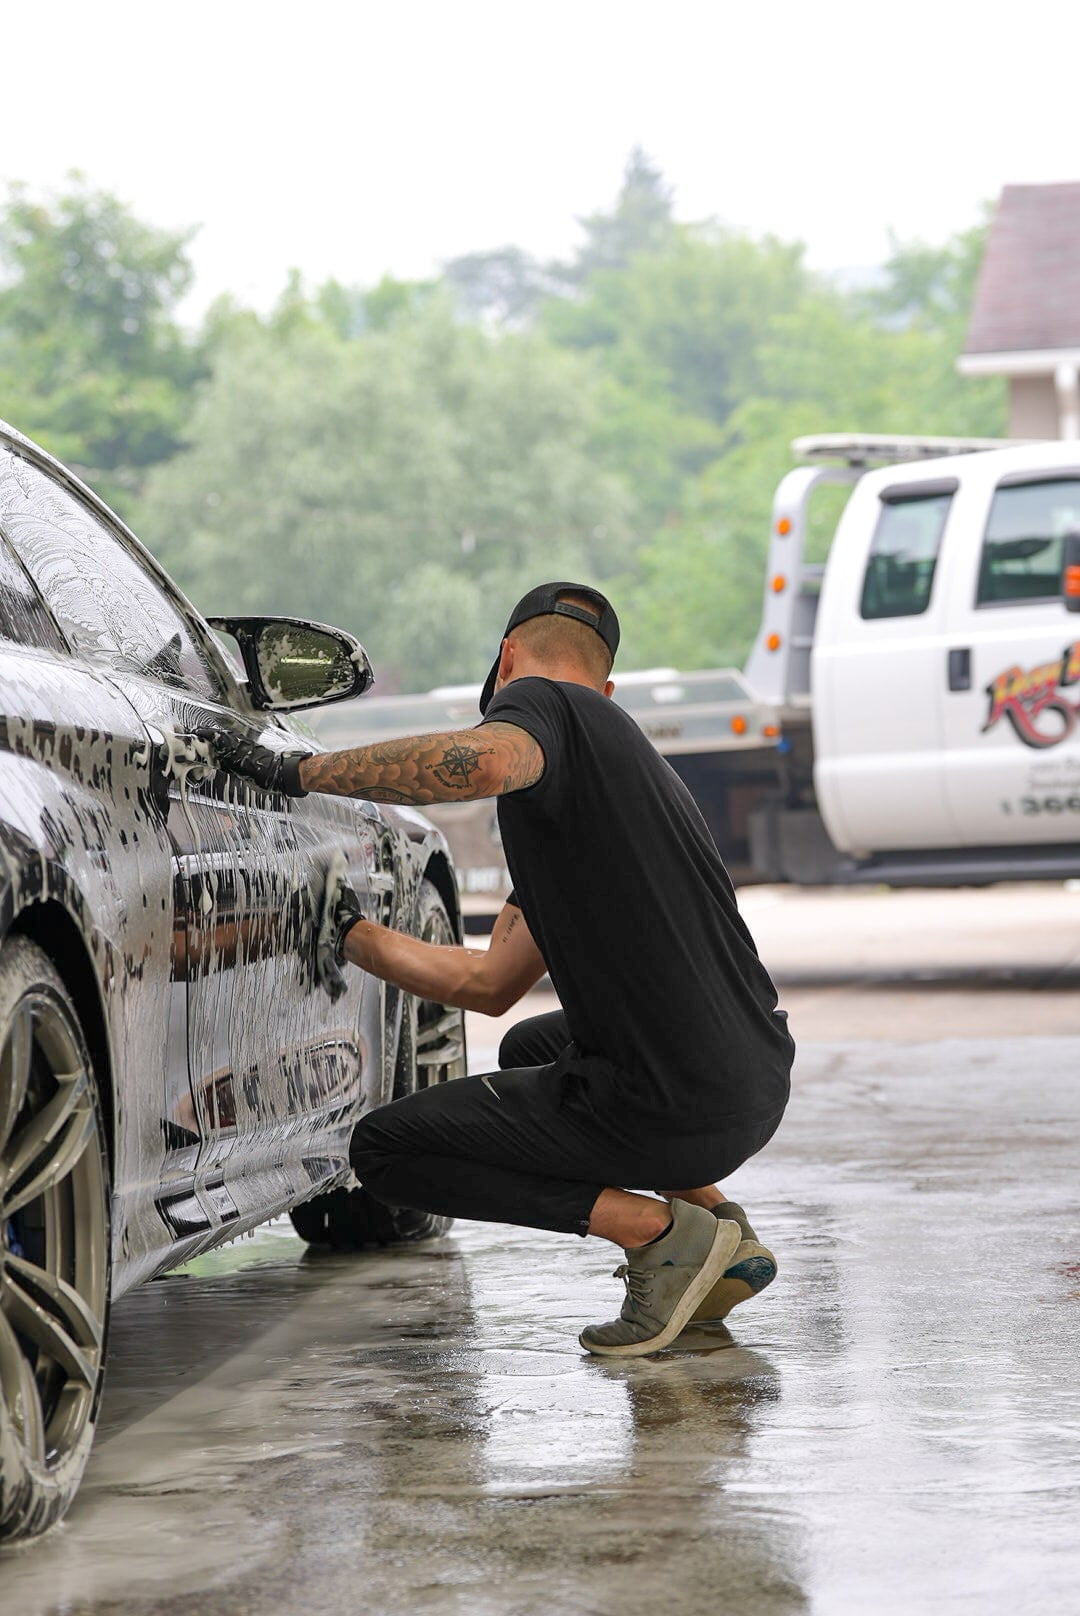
pixel 960 669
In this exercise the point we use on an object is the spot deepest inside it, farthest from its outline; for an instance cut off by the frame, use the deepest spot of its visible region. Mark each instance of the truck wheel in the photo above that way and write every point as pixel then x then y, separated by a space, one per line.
pixel 54 1244
pixel 431 1049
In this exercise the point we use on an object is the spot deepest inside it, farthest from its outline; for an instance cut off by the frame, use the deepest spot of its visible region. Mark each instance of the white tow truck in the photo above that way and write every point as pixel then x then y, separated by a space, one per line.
pixel 926 676
pixel 909 712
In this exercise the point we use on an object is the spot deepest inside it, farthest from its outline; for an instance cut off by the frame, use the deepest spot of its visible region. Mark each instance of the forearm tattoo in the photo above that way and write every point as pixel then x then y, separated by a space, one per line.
pixel 451 767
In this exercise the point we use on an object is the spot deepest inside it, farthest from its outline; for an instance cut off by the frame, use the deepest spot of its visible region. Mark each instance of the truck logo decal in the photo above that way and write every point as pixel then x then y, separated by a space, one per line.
pixel 1032 701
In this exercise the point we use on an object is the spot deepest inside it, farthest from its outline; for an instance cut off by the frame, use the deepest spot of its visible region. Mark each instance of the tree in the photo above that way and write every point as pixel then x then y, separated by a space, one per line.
pixel 678 336
pixel 932 287
pixel 863 376
pixel 402 484
pixel 507 287
pixel 504 287
pixel 829 364
pixel 688 319
pixel 91 360
pixel 694 596
pixel 640 222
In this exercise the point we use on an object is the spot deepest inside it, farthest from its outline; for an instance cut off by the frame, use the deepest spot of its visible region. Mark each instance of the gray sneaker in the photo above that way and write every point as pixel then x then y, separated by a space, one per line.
pixel 665 1282
pixel 752 1267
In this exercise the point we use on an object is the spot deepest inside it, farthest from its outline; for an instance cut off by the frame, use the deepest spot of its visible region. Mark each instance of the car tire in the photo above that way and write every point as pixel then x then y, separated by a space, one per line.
pixel 54 1244
pixel 431 1049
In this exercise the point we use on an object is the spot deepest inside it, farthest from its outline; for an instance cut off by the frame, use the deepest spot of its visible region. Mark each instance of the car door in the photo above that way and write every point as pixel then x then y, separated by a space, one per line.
pixel 879 641
pixel 264 1044
pixel 1011 683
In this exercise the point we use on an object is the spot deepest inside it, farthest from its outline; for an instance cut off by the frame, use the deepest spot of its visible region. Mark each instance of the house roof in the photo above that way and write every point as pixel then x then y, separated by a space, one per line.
pixel 1028 291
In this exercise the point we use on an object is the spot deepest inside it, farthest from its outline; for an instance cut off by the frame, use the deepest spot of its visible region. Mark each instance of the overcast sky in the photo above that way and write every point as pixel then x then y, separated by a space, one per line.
pixel 358 139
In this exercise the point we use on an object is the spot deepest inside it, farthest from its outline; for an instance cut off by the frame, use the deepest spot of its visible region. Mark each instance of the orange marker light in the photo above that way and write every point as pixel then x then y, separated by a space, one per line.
pixel 783 527
pixel 779 584
pixel 738 724
pixel 773 642
pixel 770 731
pixel 1072 583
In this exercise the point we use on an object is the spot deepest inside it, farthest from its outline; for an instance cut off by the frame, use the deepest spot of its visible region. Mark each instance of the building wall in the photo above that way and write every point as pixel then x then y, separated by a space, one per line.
pixel 1033 407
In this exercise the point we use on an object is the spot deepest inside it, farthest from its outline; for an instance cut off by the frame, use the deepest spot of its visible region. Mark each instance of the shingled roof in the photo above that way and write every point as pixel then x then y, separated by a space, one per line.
pixel 1028 292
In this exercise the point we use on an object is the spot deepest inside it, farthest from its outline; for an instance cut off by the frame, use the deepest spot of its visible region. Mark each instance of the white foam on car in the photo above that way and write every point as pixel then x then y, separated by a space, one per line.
pixel 337 874
pixel 188 758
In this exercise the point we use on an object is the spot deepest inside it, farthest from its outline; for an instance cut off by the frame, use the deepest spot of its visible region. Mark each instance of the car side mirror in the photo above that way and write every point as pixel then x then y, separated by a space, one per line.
pixel 292 663
pixel 1070 571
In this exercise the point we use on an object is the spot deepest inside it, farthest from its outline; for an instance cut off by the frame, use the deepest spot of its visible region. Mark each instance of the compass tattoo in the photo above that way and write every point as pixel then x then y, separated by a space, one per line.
pixel 459 764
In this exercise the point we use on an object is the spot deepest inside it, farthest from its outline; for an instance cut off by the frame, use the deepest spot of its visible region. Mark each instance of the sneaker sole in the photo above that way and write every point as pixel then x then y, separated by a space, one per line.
pixel 753 1269
pixel 726 1241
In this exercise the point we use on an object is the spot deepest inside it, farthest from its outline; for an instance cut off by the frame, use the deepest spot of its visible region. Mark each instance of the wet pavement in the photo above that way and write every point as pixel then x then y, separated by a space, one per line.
pixel 913 965
pixel 893 1427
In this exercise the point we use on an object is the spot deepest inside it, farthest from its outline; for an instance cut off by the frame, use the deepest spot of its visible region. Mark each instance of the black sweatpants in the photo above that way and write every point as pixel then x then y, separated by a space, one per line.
pixel 536 1142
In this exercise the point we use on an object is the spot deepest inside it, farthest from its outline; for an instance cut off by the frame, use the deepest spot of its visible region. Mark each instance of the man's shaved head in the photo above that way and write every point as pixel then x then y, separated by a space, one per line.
pixel 554 638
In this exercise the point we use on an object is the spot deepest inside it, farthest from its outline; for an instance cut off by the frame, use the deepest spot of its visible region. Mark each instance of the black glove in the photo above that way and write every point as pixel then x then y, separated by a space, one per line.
pixel 273 771
pixel 340 912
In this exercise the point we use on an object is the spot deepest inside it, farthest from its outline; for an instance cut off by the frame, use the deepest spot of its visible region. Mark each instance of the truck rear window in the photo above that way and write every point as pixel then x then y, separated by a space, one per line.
pixel 1021 556
pixel 903 554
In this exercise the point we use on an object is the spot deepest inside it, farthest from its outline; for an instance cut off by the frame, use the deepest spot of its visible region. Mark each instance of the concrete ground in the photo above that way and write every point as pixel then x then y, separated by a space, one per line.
pixel 893 1427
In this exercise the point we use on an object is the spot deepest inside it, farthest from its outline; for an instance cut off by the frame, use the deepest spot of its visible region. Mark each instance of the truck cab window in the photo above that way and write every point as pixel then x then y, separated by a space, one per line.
pixel 1021 554
pixel 903 554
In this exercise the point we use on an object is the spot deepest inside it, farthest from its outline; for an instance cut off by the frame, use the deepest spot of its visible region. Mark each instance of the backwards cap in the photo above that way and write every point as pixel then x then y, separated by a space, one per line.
pixel 543 601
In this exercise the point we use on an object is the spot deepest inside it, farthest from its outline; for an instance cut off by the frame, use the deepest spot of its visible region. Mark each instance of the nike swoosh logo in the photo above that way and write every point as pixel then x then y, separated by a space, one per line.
pixel 485 1079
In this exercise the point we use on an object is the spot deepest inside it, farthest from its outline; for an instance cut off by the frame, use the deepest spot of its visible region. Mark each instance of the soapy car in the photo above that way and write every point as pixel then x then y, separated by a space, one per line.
pixel 172 1069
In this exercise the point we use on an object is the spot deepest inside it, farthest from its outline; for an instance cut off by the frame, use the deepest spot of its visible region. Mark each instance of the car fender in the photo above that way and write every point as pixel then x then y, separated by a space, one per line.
pixel 81 837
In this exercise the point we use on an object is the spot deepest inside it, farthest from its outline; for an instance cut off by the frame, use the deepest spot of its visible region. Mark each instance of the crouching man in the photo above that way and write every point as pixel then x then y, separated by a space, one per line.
pixel 669 1062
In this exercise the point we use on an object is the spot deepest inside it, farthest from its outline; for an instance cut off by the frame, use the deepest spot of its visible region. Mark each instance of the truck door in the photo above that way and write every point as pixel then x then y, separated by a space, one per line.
pixel 879 643
pixel 1011 670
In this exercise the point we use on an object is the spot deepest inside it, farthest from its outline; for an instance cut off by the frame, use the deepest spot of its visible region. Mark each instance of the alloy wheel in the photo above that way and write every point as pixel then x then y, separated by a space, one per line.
pixel 54 1243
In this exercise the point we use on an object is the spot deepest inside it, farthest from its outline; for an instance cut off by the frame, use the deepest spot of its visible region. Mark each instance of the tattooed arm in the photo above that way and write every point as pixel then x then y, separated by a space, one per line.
pixel 456 766
pixel 489 980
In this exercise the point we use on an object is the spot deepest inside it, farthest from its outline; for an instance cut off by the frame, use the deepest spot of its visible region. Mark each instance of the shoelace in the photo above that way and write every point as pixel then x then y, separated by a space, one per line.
pixel 638 1283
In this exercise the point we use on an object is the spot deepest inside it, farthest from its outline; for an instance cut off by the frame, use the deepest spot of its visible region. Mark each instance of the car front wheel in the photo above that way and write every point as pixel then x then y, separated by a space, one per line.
pixel 431 1049
pixel 54 1244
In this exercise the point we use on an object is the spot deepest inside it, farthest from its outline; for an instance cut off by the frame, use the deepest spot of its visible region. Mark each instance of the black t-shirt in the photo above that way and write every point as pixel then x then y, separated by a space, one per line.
pixel 627 898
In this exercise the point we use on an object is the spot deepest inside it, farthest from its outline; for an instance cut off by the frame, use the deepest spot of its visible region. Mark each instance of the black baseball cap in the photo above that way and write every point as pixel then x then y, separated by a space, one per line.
pixel 543 601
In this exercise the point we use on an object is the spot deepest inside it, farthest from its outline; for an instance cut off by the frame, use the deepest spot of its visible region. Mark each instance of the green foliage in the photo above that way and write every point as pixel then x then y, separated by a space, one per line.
pixel 829 364
pixel 866 377
pixel 932 286
pixel 641 222
pixel 389 303
pixel 91 361
pixel 687 320
pixel 655 446
pixel 408 474
pixel 504 287
pixel 694 599
pixel 403 485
